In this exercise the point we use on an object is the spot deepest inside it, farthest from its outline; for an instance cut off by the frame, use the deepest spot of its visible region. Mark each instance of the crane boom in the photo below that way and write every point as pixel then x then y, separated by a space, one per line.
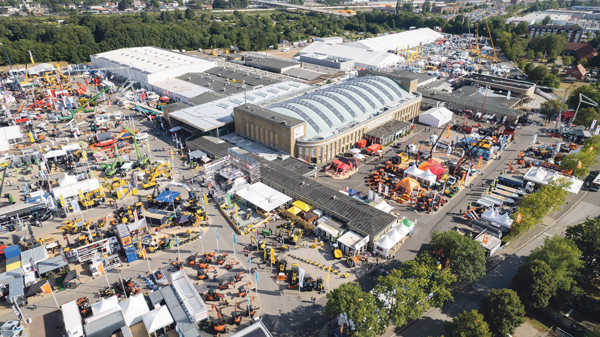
pixel 84 105
pixel 141 160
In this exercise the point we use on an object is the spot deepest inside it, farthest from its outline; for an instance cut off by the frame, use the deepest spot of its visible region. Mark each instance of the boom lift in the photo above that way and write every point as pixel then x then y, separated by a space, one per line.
pixel 81 107
pixel 142 161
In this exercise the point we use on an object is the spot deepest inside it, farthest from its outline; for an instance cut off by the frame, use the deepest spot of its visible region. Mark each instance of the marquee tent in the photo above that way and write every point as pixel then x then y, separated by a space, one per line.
pixel 105 304
pixel 434 167
pixel 407 185
pixel 133 309
pixel 394 237
pixel 157 319
pixel 542 176
pixel 263 196
pixel 493 216
pixel 167 196
pixel 436 117
pixel 421 176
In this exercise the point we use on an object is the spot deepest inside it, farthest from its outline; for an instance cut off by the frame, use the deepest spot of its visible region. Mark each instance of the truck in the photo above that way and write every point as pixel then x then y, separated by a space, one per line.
pixel 373 148
pixel 595 185
pixel 511 180
pixel 504 193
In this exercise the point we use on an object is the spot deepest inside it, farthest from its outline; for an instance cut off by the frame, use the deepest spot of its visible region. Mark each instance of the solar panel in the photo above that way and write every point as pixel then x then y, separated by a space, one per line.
pixel 333 109
pixel 273 90
pixel 342 103
pixel 261 94
pixel 283 87
pixel 377 93
pixel 250 98
pixel 235 101
pixel 303 115
pixel 316 110
pixel 223 105
pixel 357 92
pixel 378 86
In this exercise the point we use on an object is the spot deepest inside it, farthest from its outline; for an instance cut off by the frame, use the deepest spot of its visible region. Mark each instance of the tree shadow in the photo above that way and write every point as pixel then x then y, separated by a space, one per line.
pixel 302 321
pixel 426 326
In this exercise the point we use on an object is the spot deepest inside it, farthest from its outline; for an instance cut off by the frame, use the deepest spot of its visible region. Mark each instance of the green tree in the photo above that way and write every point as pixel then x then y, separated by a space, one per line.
pixel 406 297
pixel 563 256
pixel 538 73
pixel 521 64
pixel 585 116
pixel 189 14
pixel 594 143
pixel 362 308
pixel 503 311
pixel 426 7
pixel 436 281
pixel 539 55
pixel 530 54
pixel 535 284
pixel 587 238
pixel 551 81
pixel 467 324
pixel 547 20
pixel 528 68
pixel 594 333
pixel 550 107
pixel 568 60
pixel 534 207
pixel 572 162
pixel 465 256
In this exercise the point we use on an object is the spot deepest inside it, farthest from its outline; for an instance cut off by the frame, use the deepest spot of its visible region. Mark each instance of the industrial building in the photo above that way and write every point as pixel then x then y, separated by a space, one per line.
pixel 573 32
pixel 149 65
pixel 516 87
pixel 556 18
pixel 321 124
pixel 346 57
pixel 399 41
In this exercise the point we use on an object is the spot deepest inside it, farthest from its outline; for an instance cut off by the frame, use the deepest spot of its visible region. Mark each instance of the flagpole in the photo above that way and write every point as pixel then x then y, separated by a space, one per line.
pixel 121 280
pixel 148 261
pixel 53 296
pixel 106 276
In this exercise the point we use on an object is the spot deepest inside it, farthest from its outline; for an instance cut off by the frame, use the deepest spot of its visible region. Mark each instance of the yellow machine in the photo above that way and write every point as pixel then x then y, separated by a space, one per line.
pixel 89 199
pixel 76 226
pixel 121 188
pixel 261 243
pixel 150 180
pixel 248 213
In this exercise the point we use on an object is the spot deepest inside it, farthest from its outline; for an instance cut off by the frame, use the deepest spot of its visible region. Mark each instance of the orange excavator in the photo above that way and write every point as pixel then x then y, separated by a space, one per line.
pixel 221 258
pixel 177 265
pixel 237 317
pixel 231 264
pixel 243 290
pixel 203 273
pixel 251 309
pixel 204 261
pixel 213 295
pixel 225 285
pixel 238 277
pixel 192 260
pixel 219 324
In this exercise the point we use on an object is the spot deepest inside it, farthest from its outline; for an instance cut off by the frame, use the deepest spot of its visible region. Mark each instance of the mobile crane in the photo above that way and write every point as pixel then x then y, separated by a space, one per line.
pixel 142 161
pixel 81 107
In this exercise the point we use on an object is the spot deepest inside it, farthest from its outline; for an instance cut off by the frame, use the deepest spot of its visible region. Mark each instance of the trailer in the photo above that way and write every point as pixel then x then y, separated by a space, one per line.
pixel 504 200
pixel 492 200
pixel 481 225
pixel 518 191
pixel 505 194
pixel 511 180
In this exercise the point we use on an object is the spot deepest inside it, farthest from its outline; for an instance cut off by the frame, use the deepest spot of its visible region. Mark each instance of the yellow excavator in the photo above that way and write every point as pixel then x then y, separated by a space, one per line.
pixel 261 243
pixel 76 226
pixel 150 180
pixel 91 198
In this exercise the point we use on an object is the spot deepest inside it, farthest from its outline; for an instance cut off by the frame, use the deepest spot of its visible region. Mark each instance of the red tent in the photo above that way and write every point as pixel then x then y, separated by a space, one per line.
pixel 340 166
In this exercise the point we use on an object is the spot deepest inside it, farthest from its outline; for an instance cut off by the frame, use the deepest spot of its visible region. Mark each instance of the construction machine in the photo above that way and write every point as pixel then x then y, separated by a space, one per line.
pixel 294 276
pixel 203 273
pixel 192 260
pixel 261 244
pixel 223 285
pixel 81 107
pixel 177 265
pixel 213 295
pixel 107 292
pixel 219 324
pixel 112 169
pixel 237 317
pixel 308 283
pixel 319 285
pixel 238 277
pixel 204 261
pixel 243 290
pixel 150 180
pixel 83 304
pixel 131 287
pixel 221 259
pixel 142 161
pixel 231 264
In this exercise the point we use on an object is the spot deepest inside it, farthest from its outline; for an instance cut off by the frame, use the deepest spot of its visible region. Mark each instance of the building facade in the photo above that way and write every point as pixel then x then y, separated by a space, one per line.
pixel 319 125
pixel 573 32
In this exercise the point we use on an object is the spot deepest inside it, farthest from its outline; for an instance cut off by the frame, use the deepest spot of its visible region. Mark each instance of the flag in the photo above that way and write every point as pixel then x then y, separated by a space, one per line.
pixel 256 277
pixel 100 269
pixel 272 255
pixel 46 289
pixel 579 164
pixel 328 271
pixel 205 199
pixel 135 181
pixel 217 231
pixel 135 215
pixel 479 163
pixel 32 264
pixel 593 123
pixel 448 132
pixel 237 216
pixel 31 56
pixel 300 276
pixel 249 262
pixel 508 96
pixel 415 139
pixel 144 255
pixel 228 200
pixel 234 239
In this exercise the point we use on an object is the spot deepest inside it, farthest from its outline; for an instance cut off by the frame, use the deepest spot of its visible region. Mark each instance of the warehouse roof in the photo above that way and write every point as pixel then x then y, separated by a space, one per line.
pixel 151 59
pixel 359 216
pixel 493 105
pixel 343 53
pixel 213 146
pixel 330 109
pixel 271 63
pixel 408 39
pixel 218 113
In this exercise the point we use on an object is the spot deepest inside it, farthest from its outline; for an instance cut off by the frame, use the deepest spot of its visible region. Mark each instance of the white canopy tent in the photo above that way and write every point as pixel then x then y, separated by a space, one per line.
pixel 73 189
pixel 395 236
pixel 9 135
pixel 133 309
pixel 71 147
pixel 105 304
pixel 493 216
pixel 157 319
pixel 436 117
pixel 331 232
pixel 67 180
pixel 542 176
pixel 384 206
pixel 263 196
pixel 54 154
pixel 421 176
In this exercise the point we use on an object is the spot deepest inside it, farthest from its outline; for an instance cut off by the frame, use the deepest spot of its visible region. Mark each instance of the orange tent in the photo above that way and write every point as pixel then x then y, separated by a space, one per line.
pixel 406 185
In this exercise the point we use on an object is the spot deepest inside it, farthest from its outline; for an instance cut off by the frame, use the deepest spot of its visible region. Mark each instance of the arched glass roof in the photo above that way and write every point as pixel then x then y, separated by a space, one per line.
pixel 336 106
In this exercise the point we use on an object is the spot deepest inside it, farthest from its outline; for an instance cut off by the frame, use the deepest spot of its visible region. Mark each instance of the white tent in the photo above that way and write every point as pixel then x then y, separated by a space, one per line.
pixel 133 309
pixel 73 189
pixel 421 176
pixel 105 305
pixel 413 172
pixel 157 319
pixel 67 180
pixel 54 154
pixel 428 176
pixel 384 245
pixel 392 238
pixel 384 206
pixel 542 176
pixel 9 135
pixel 492 215
pixel 435 117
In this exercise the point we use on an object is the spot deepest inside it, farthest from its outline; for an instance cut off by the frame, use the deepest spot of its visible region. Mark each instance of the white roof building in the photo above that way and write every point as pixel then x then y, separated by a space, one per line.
pixel 218 113
pixel 149 65
pixel 436 117
pixel 538 17
pixel 363 58
pixel 399 41
pixel 263 196
pixel 9 135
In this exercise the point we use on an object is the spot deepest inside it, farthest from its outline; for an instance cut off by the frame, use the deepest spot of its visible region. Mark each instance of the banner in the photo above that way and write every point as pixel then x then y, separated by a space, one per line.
pixel 144 255
pixel 300 276
pixel 228 201
pixel 479 162
pixel 448 132
pixel 579 164
pixel 593 124
pixel 597 130
pixel 217 231
pixel 256 277
pixel 234 239
pixel 272 255
pixel 534 139
pixel 519 217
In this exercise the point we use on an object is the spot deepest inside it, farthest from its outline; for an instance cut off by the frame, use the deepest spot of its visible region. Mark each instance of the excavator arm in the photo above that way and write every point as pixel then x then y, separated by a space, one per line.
pixel 141 160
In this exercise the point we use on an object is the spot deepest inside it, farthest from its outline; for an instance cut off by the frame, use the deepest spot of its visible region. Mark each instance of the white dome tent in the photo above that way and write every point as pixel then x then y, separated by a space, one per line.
pixel 435 117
